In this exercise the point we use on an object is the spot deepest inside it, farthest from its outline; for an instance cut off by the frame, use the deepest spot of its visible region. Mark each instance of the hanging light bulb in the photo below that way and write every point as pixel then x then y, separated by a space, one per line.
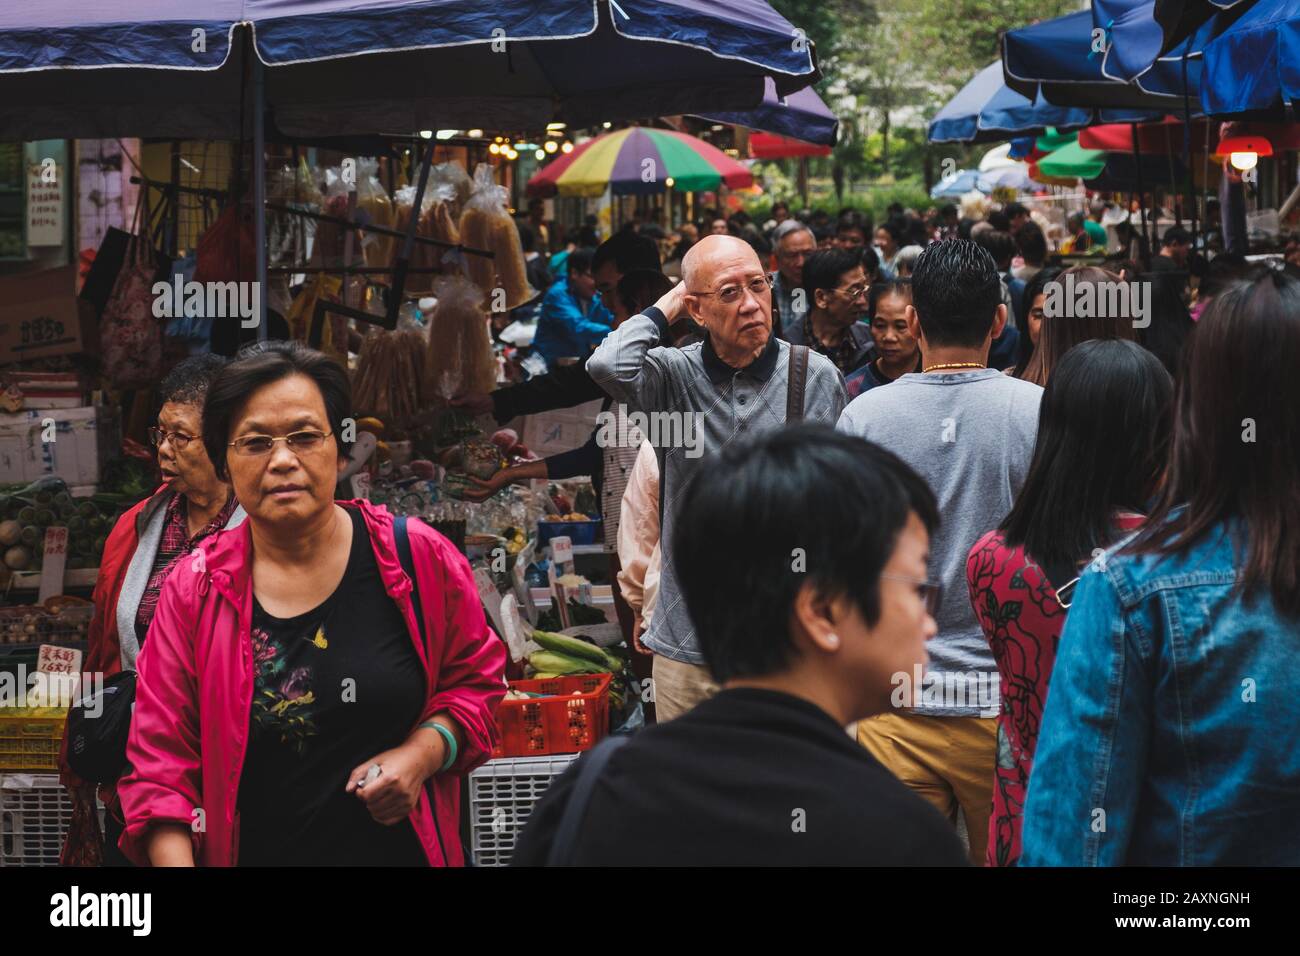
pixel 474 134
pixel 494 148
pixel 607 124
pixel 1243 161
pixel 567 147
pixel 669 182
pixel 550 146
pixel 540 154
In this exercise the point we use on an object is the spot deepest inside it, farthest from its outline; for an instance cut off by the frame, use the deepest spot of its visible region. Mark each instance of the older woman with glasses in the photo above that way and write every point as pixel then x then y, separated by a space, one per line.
pixel 144 548
pixel 303 701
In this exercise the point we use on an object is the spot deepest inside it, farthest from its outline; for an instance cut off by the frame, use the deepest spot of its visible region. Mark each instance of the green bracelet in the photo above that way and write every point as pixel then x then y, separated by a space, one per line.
pixel 447 735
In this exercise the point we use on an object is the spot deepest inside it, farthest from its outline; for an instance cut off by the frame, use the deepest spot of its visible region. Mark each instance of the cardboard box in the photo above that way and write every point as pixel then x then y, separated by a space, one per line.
pixel 84 440
pixel 40 316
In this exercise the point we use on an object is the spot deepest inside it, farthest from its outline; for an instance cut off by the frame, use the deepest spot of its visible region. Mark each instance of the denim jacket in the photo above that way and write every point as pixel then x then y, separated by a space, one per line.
pixel 1171 734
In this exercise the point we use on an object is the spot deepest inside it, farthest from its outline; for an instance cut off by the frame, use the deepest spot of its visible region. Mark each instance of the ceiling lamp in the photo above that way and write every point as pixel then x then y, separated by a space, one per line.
pixel 1243 152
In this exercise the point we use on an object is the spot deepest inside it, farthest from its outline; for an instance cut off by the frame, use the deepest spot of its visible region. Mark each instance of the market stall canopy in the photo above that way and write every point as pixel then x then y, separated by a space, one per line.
pixel 1100 169
pixel 1139 32
pixel 1016 176
pixel 1055 59
pixel 90 68
pixel 957 184
pixel 801 115
pixel 770 146
pixel 987 109
pixel 640 160
pixel 1163 137
pixel 1253 65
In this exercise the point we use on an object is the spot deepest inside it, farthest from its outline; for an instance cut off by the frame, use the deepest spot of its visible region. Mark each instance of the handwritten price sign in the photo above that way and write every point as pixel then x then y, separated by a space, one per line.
pixel 56 557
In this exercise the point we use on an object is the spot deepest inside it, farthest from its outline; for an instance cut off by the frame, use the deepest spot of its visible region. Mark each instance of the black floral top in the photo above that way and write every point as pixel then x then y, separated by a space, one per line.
pixel 332 688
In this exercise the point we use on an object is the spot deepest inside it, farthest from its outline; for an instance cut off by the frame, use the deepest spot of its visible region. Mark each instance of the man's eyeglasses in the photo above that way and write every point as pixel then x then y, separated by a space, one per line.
pixel 855 292
pixel 300 443
pixel 759 285
pixel 930 592
pixel 178 439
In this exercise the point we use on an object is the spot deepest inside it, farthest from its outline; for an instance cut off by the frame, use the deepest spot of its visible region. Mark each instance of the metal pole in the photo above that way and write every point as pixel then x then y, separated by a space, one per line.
pixel 259 184
pixel 1144 254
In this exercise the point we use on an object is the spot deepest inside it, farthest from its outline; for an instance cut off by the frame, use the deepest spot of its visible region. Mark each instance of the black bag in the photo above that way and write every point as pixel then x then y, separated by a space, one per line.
pixel 98 725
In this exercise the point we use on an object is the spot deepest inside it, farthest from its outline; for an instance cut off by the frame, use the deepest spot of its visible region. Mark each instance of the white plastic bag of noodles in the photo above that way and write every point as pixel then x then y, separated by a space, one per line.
pixel 486 224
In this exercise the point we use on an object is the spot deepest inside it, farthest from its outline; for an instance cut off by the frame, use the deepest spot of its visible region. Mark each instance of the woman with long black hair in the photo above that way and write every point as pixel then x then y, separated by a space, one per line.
pixel 1102 426
pixel 1169 737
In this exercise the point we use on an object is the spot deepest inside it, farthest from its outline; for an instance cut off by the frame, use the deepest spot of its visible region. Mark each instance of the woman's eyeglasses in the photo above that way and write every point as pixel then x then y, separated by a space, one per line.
pixel 732 293
pixel 178 439
pixel 930 592
pixel 300 443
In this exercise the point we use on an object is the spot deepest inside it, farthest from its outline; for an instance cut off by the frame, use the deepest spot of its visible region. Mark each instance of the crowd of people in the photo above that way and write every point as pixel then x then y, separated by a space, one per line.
pixel 1042 562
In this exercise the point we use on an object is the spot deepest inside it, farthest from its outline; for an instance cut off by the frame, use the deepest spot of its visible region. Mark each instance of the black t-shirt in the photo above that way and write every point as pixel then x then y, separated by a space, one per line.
pixel 332 688
pixel 748 778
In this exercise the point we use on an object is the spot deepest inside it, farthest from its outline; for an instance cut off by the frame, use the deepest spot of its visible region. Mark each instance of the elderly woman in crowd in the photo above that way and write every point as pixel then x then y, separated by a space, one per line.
pixel 143 549
pixel 302 700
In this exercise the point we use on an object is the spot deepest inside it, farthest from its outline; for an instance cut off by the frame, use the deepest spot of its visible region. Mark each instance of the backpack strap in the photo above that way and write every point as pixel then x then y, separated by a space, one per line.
pixel 403 537
pixel 795 383
pixel 588 771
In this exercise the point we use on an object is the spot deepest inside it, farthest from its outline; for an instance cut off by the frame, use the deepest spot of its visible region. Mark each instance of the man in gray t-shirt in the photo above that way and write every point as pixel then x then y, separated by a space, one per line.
pixel 969 432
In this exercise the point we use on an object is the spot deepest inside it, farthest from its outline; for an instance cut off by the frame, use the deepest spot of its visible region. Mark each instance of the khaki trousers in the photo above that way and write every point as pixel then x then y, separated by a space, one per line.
pixel 948 761
pixel 679 686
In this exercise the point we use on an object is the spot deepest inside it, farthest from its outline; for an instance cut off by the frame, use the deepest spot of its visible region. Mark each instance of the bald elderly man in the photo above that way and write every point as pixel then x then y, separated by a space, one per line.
pixel 734 385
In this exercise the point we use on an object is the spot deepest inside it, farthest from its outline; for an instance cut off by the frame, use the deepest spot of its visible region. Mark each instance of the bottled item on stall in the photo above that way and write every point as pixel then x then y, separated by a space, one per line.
pixel 486 224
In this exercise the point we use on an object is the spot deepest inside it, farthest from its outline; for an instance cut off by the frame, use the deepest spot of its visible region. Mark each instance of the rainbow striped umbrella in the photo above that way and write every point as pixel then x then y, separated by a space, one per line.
pixel 639 160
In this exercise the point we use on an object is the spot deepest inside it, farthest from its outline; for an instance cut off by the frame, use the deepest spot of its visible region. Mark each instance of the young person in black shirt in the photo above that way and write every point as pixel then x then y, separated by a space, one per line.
pixel 806 614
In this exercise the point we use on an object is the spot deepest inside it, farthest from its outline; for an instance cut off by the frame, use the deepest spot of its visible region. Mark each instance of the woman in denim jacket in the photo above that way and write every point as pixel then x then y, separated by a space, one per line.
pixel 1171 734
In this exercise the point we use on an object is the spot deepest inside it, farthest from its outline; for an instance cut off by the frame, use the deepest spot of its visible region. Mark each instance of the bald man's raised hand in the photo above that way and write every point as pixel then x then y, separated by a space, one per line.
pixel 673 302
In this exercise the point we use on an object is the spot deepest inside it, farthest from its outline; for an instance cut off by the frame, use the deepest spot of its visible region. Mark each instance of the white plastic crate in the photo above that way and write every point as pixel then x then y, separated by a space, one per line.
pixel 502 795
pixel 34 815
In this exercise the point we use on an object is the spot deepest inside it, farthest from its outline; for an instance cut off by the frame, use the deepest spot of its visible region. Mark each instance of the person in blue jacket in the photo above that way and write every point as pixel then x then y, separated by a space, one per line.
pixel 573 319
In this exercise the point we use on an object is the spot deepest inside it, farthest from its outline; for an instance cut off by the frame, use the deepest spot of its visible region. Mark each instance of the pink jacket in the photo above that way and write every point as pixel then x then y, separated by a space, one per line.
pixel 190 729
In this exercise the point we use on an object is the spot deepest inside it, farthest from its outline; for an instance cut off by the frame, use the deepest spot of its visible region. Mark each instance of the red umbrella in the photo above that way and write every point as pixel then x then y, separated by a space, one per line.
pixel 771 146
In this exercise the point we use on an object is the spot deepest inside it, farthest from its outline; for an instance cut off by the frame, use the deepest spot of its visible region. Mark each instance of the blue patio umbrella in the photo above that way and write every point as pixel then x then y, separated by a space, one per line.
pixel 1253 66
pixel 987 109
pixel 86 68
pixel 802 115
pixel 1138 32
pixel 956 184
pixel 1059 60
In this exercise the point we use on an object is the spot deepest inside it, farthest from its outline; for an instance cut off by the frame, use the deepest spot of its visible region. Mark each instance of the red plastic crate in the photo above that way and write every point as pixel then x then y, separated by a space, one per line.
pixel 565 724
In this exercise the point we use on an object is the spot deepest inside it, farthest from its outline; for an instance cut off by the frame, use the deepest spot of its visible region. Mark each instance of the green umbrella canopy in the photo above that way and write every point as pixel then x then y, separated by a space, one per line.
pixel 1073 161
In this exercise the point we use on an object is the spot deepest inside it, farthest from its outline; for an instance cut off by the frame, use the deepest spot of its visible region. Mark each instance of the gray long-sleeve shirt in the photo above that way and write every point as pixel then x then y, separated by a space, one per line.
pixel 695 405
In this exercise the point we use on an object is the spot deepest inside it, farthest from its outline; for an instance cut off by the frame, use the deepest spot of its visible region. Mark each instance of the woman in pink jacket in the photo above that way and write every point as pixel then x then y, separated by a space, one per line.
pixel 289 710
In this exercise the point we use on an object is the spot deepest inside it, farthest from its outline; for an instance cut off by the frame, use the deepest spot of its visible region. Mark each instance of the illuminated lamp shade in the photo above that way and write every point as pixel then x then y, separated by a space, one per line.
pixel 1244 151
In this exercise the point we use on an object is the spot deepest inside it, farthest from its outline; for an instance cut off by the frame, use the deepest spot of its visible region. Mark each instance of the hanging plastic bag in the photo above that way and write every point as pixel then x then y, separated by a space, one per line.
pixel 460 357
pixel 486 224
pixel 130 336
pixel 303 309
pixel 376 209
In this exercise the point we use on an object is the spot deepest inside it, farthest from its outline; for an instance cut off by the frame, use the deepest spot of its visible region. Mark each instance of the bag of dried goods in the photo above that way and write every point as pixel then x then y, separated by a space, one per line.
pixel 460 357
pixel 375 208
pixel 486 224
pixel 388 376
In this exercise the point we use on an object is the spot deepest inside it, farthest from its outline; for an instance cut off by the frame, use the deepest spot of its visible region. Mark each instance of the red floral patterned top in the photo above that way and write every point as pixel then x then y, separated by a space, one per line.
pixel 1022 621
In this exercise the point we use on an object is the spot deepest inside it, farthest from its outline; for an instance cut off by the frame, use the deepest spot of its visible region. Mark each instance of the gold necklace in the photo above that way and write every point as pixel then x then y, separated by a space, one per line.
pixel 931 368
